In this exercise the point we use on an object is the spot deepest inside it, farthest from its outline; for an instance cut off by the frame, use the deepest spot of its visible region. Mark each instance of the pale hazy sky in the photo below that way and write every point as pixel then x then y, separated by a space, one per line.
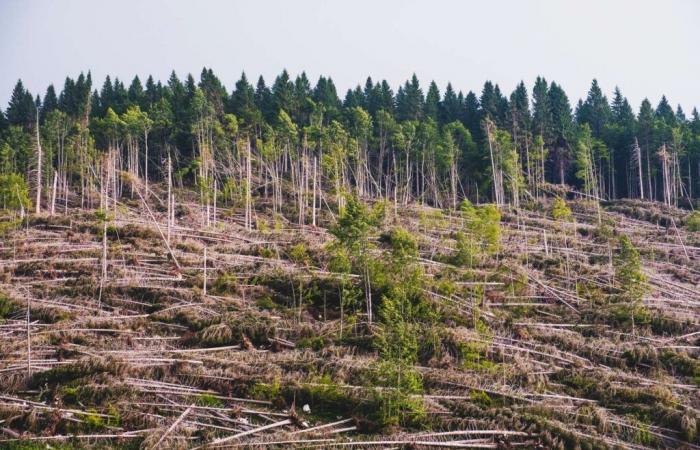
pixel 647 47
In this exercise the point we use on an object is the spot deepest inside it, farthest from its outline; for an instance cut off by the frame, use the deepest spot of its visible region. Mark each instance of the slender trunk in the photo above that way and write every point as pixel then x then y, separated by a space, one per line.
pixel 29 338
pixel 204 286
pixel 145 165
pixel 53 193
pixel 170 201
pixel 638 157
pixel 38 165
pixel 313 207
pixel 248 200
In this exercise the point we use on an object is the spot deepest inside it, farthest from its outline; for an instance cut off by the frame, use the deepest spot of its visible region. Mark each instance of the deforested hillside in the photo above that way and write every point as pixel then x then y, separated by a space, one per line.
pixel 555 324
pixel 183 266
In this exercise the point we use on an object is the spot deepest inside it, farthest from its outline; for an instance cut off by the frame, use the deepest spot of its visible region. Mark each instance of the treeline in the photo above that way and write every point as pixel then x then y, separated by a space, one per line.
pixel 292 141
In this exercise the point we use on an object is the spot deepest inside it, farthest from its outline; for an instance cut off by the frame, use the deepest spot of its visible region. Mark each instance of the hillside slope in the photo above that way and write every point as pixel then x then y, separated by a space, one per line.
pixel 485 331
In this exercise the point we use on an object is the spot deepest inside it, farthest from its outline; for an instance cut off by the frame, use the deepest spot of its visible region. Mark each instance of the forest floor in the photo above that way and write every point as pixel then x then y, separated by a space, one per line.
pixel 247 347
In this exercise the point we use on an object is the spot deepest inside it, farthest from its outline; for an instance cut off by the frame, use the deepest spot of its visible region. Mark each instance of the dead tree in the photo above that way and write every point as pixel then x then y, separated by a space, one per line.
pixel 637 155
pixel 38 165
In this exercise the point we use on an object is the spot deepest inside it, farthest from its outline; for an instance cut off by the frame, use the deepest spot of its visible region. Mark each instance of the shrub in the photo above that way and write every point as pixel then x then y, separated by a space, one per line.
pixel 560 210
pixel 298 254
pixel 7 306
pixel 693 221
pixel 14 193
pixel 398 404
pixel 628 271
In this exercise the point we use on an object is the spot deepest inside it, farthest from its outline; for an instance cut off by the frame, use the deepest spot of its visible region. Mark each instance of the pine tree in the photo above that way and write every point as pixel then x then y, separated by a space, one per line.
pixel 21 110
pixel 448 108
pixel 50 102
pixel 562 130
pixel 431 108
pixel 135 93
pixel 409 100
pixel 628 272
pixel 542 111
pixel 595 111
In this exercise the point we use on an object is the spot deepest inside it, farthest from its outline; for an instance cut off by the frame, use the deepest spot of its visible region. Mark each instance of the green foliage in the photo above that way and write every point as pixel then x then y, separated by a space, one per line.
pixel 356 223
pixel 560 210
pixel 481 398
pixel 403 244
pixel 266 302
pixel 14 193
pixel 397 340
pixel 397 384
pixel 93 421
pixel 225 284
pixel 7 305
pixel 315 343
pixel 209 400
pixel 693 221
pixel 628 271
pixel 481 234
pixel 299 254
pixel 267 391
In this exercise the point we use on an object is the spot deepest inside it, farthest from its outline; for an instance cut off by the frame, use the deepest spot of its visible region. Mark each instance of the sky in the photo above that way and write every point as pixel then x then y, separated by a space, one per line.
pixel 646 47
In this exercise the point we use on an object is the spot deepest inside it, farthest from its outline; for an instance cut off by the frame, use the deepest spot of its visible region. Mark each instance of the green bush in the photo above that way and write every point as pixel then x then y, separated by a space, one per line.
pixel 560 210
pixel 693 221
pixel 14 193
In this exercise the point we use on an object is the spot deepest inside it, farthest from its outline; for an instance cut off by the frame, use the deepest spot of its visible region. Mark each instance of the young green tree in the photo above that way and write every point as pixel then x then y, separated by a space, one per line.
pixel 628 272
pixel 560 210
pixel 14 193
pixel 353 230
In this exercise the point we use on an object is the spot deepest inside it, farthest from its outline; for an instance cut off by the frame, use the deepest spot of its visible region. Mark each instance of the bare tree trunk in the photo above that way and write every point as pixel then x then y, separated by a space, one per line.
pixel 204 286
pixel 638 157
pixel 248 200
pixel 29 337
pixel 39 161
pixel 170 200
pixel 498 193
pixel 664 156
pixel 313 206
pixel 53 193
pixel 145 168
pixel 368 291
pixel 215 189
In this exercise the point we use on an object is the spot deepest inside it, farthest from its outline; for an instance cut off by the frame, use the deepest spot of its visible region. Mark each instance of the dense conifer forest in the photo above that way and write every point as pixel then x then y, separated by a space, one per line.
pixel 274 266
pixel 409 144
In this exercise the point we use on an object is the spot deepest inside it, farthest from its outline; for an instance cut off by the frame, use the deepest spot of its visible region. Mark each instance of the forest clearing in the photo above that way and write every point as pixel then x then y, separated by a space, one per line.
pixel 124 330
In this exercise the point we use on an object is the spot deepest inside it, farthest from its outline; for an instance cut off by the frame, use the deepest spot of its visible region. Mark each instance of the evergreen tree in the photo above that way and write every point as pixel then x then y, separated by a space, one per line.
pixel 431 108
pixel 409 100
pixel 542 119
pixel 283 93
pixel 213 90
pixel 595 111
pixel 135 93
pixel 264 100
pixel 562 130
pixel 3 123
pixel 619 136
pixel 242 103
pixel 21 111
pixel 151 94
pixel 489 103
pixel 325 94
pixel 450 106
pixel 665 113
pixel 302 94
pixel 470 116
pixel 50 102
